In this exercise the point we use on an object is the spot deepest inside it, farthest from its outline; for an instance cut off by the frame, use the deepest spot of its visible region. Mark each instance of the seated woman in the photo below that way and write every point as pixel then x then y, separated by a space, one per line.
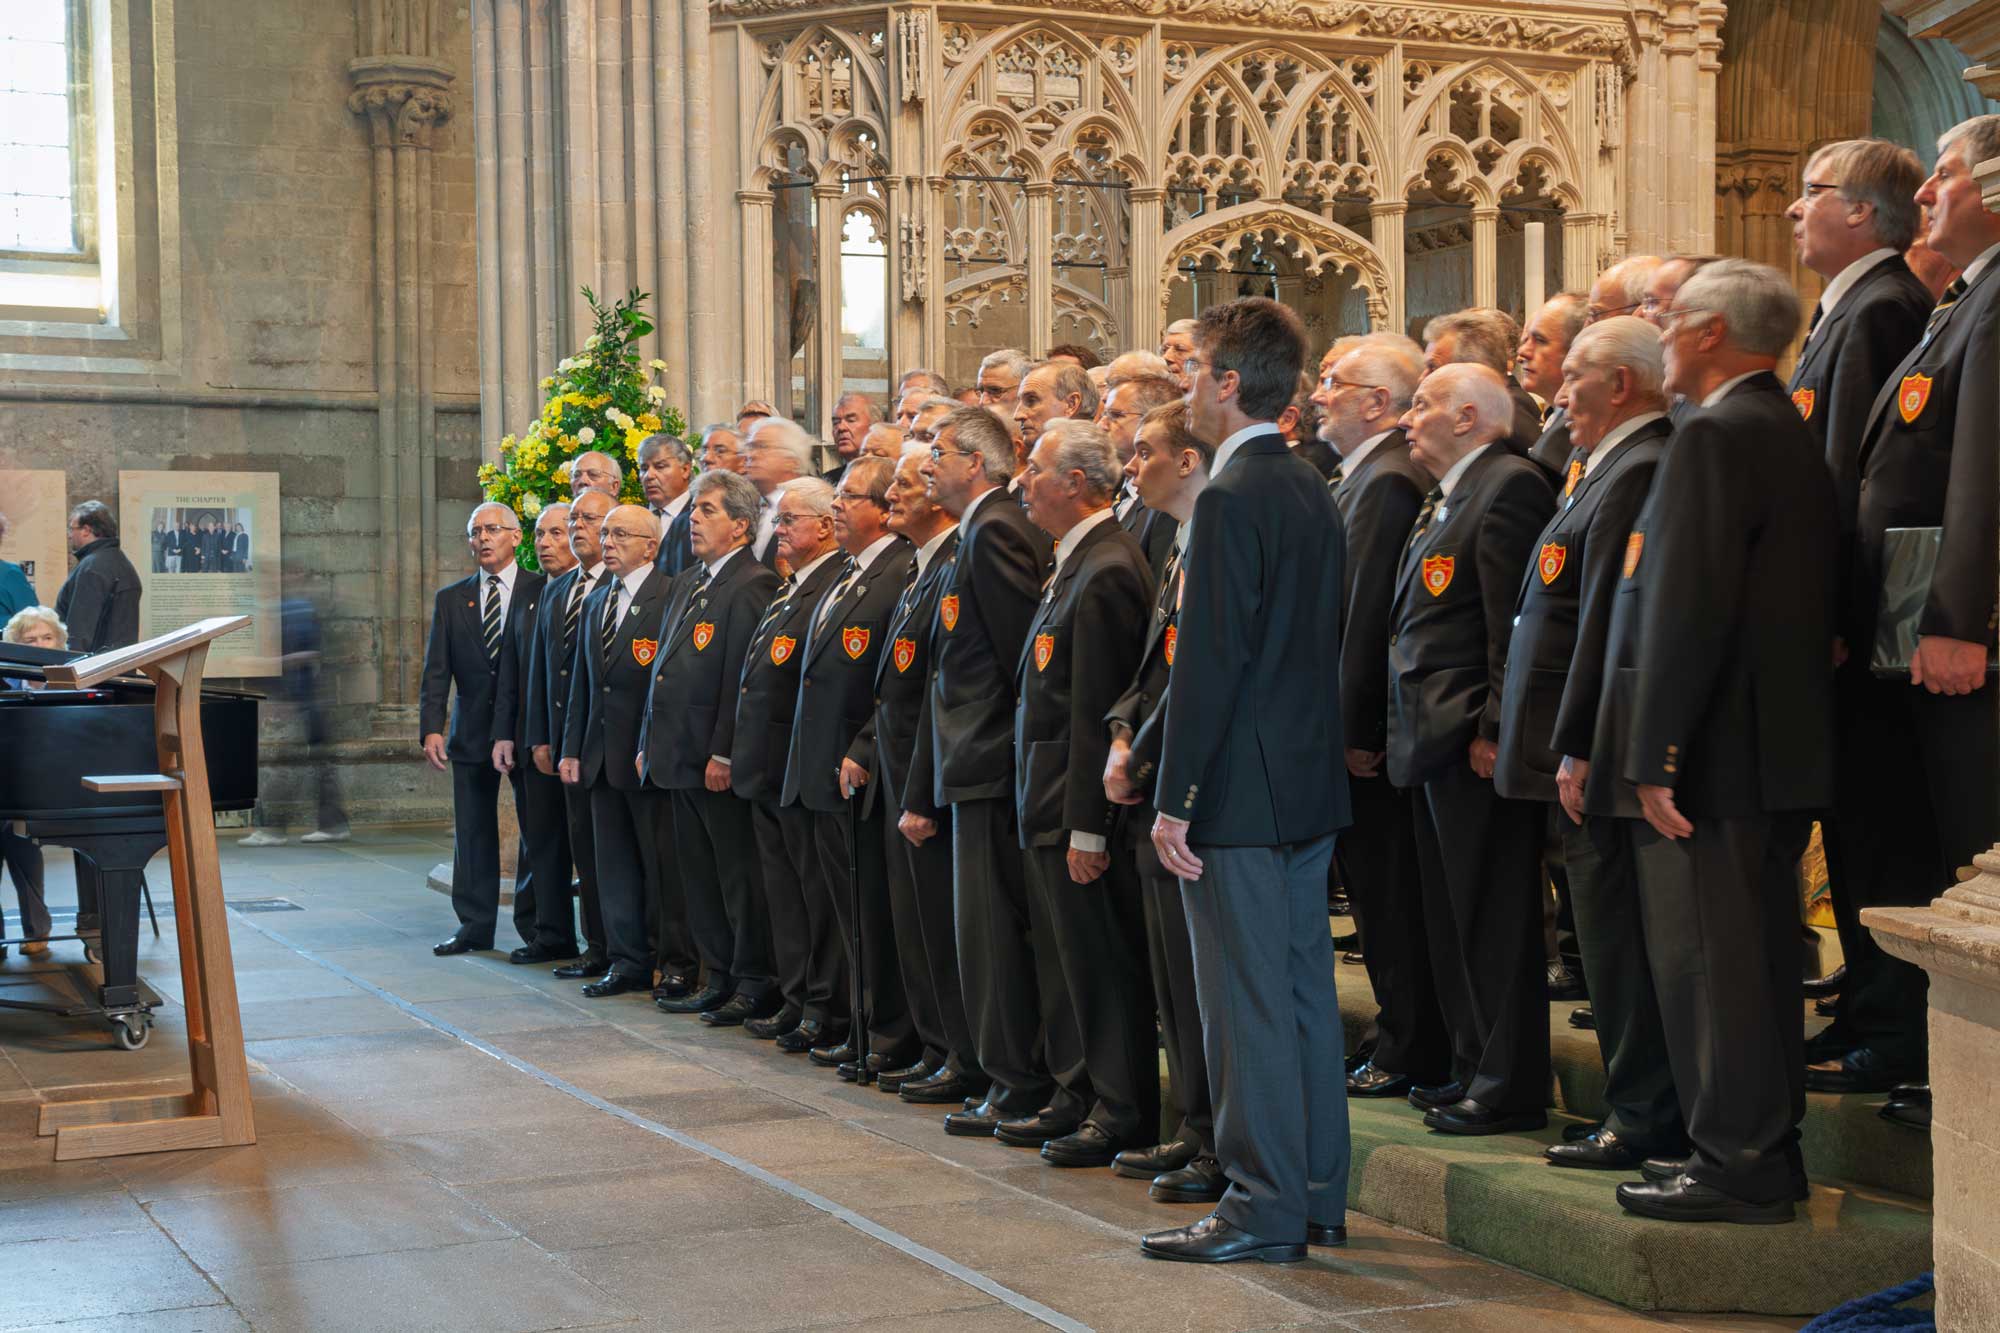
pixel 35 627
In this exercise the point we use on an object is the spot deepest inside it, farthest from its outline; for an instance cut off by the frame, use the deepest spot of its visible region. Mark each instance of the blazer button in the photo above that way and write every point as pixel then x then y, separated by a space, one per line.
pixel 744 690
pixel 1392 640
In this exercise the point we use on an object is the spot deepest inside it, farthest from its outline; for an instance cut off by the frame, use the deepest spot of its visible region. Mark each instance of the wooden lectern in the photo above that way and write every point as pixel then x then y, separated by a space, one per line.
pixel 216 1113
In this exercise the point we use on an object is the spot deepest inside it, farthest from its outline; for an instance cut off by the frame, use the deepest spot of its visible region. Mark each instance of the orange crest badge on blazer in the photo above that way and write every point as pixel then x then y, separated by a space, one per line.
pixel 948 612
pixel 1803 400
pixel 906 653
pixel 1634 544
pixel 1554 556
pixel 643 651
pixel 1574 475
pixel 1912 396
pixel 1173 637
pixel 781 649
pixel 1045 649
pixel 704 635
pixel 1437 571
pixel 855 640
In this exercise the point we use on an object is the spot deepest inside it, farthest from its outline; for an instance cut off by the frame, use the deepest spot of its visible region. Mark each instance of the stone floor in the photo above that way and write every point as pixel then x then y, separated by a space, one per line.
pixel 461 1144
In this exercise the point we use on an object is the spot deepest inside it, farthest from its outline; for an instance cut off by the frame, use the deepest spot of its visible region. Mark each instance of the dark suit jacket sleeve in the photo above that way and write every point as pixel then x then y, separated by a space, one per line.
pixel 1218 625
pixel 919 789
pixel 1007 586
pixel 435 690
pixel 1507 539
pixel 1375 550
pixel 507 689
pixel 862 752
pixel 1111 615
pixel 1961 602
pixel 1603 568
pixel 537 686
pixel 746 608
pixel 577 713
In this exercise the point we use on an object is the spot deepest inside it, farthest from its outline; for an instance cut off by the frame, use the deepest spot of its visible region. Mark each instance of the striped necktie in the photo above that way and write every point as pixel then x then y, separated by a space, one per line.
pixel 779 603
pixel 577 593
pixel 490 619
pixel 1432 499
pixel 1952 291
pixel 690 606
pixel 824 615
pixel 610 619
pixel 1339 473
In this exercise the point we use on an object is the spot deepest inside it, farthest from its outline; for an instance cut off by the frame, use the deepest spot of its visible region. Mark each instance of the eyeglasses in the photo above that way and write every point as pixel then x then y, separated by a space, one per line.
pixel 995 390
pixel 488 530
pixel 1593 313
pixel 1813 188
pixel 1330 382
pixel 1672 316
pixel 939 454
pixel 626 535
pixel 850 497
pixel 1191 367
pixel 786 520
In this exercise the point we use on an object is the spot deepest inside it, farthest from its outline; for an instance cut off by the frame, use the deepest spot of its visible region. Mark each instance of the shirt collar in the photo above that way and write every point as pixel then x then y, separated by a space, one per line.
pixel 715 566
pixel 1722 390
pixel 978 500
pixel 595 572
pixel 800 574
pixel 631 582
pixel 1227 449
pixel 506 577
pixel 1979 265
pixel 874 550
pixel 1070 540
pixel 1616 436
pixel 1457 470
pixel 671 510
pixel 1353 460
pixel 930 548
pixel 1843 281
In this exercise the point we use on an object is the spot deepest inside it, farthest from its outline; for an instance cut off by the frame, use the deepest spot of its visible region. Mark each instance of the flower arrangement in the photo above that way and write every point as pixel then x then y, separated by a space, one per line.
pixel 604 398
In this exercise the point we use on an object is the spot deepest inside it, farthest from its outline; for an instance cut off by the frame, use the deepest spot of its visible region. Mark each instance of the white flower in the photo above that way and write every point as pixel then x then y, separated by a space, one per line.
pixel 586 435
pixel 566 365
pixel 658 364
pixel 531 505
pixel 657 394
pixel 619 419
pixel 591 342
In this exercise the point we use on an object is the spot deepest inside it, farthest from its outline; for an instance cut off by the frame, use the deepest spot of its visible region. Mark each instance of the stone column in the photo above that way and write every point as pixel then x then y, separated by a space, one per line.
pixel 827 222
pixel 1041 267
pixel 759 345
pixel 1534 267
pixel 1386 218
pixel 1486 255
pixel 707 372
pixel 1147 264
pixel 1579 232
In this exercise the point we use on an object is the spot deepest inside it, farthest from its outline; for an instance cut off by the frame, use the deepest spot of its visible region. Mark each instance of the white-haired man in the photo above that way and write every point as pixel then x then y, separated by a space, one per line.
pixel 775 452
pixel 1052 389
pixel 1176 346
pixel 853 414
pixel 1484 336
pixel 999 383
pixel 594 470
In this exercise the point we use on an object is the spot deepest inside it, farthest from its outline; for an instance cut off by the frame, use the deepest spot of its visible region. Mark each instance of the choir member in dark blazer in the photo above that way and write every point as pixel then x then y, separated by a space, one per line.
pixel 1479 853
pixel 690 740
pixel 1484 336
pixel 1251 789
pixel 1615 404
pixel 804 954
pixel 550 672
pixel 964 758
pixel 1378 489
pixel 469 626
pixel 839 652
pixel 1914 785
pixel 666 468
pixel 1170 467
pixel 548 920
pixel 1125 405
pixel 1544 343
pixel 617 641
pixel 1728 739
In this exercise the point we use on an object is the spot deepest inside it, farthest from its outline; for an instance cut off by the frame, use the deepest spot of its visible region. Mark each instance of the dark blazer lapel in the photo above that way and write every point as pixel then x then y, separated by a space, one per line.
pixel 829 624
pixel 1053 594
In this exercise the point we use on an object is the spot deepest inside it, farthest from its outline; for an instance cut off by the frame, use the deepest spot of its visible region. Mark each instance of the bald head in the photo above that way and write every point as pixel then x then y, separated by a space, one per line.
pixel 1457 409
pixel 1620 289
pixel 631 539
pixel 595 470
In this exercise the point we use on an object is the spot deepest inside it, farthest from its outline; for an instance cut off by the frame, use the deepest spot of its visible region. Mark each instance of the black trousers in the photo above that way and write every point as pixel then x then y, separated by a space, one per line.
pixel 997 963
pixel 724 883
pixel 626 826
pixel 1170 958
pixel 1378 863
pixel 666 909
pixel 861 908
pixel 24 866
pixel 1480 855
pixel 583 851
pixel 1721 916
pixel 924 900
pixel 539 805
pixel 805 957
pixel 475 852
pixel 1558 910
pixel 1640 1101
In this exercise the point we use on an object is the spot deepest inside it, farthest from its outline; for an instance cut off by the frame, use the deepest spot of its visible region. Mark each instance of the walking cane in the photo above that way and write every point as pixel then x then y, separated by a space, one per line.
pixel 857 992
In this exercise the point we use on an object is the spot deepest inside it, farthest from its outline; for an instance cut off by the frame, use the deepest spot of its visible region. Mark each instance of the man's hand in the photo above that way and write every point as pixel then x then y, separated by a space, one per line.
pixel 545 762
pixel 1662 813
pixel 503 756
pixel 1482 753
pixel 853 777
pixel 1948 666
pixel 571 771
pixel 916 828
pixel 1117 786
pixel 434 750
pixel 716 776
pixel 1365 763
pixel 639 764
pixel 1087 866
pixel 1170 841
pixel 1570 780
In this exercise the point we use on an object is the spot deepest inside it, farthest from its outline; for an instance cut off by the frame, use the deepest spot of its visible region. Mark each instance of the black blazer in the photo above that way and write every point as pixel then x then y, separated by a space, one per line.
pixel 455 660
pixel 1154 532
pixel 1551 449
pixel 1138 708
pixel 767 693
pixel 551 662
pixel 1527 428
pixel 902 689
pixel 1253 753
pixel 677 542
pixel 517 650
pixel 1323 456
pixel 608 690
pixel 690 712
pixel 965 746
pixel 1844 364
pixel 1555 659
pixel 1731 564
pixel 1934 467
pixel 1083 646
pixel 1453 612
pixel 837 681
pixel 1378 504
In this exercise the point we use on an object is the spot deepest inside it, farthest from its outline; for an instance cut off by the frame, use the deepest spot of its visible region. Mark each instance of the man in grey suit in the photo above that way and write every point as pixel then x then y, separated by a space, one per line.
pixel 1252 788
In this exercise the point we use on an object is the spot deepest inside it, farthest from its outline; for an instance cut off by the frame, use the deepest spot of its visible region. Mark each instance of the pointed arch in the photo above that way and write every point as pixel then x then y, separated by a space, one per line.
pixel 786 102
pixel 1542 125
pixel 1317 243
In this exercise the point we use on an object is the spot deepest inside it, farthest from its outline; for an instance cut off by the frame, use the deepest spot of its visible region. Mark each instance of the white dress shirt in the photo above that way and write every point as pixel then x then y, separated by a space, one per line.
pixel 1227 449
pixel 671 510
pixel 767 520
pixel 1615 436
pixel 1722 390
pixel 506 591
pixel 1843 282
pixel 930 549
pixel 1351 461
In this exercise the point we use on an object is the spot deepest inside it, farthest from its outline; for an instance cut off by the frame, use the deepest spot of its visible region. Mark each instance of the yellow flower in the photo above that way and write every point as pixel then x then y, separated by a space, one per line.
pixel 649 423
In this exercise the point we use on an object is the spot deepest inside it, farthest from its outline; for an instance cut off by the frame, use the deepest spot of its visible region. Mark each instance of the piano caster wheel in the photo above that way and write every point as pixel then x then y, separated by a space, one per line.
pixel 132 1031
pixel 90 955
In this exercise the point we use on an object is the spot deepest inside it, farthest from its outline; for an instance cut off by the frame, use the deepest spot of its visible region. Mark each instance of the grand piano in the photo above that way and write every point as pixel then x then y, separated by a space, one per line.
pixel 50 740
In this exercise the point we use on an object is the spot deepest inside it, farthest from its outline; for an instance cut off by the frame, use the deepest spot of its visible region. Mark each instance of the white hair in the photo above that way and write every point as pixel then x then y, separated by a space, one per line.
pixel 513 520
pixel 1187 326
pixel 1011 359
pixel 1082 446
pixel 1387 361
pixel 617 472
pixel 1624 340
pixel 1756 302
pixel 814 493
pixel 786 436
pixel 1135 366
pixel 17 625
pixel 1465 383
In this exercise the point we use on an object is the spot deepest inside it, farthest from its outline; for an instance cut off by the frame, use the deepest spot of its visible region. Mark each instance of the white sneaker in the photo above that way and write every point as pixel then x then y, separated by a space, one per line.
pixel 263 837
pixel 322 835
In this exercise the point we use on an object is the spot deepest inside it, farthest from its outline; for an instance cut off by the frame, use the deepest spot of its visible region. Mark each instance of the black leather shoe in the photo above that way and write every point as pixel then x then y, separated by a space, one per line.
pixel 1444 1094
pixel 1145 1163
pixel 590 965
pixel 535 953
pixel 808 1034
pixel 1089 1146
pixel 1582 1130
pixel 831 1057
pixel 777 1025
pixel 849 1071
pixel 1818 988
pixel 1469 1117
pixel 1584 1018
pixel 1909 1105
pixel 1829 1043
pixel 942 1089
pixel 1685 1199
pixel 1333 1237
pixel 613 983
pixel 456 945
pixel 701 1001
pixel 1373 1081
pixel 1860 1070
pixel 1214 1241
pixel 977 1123
pixel 1828 1007
pixel 1564 984
pixel 740 1009
pixel 672 986
pixel 1658 1169
pixel 1200 1181
pixel 1032 1131
pixel 1359 1056
pixel 1602 1151
pixel 892 1080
